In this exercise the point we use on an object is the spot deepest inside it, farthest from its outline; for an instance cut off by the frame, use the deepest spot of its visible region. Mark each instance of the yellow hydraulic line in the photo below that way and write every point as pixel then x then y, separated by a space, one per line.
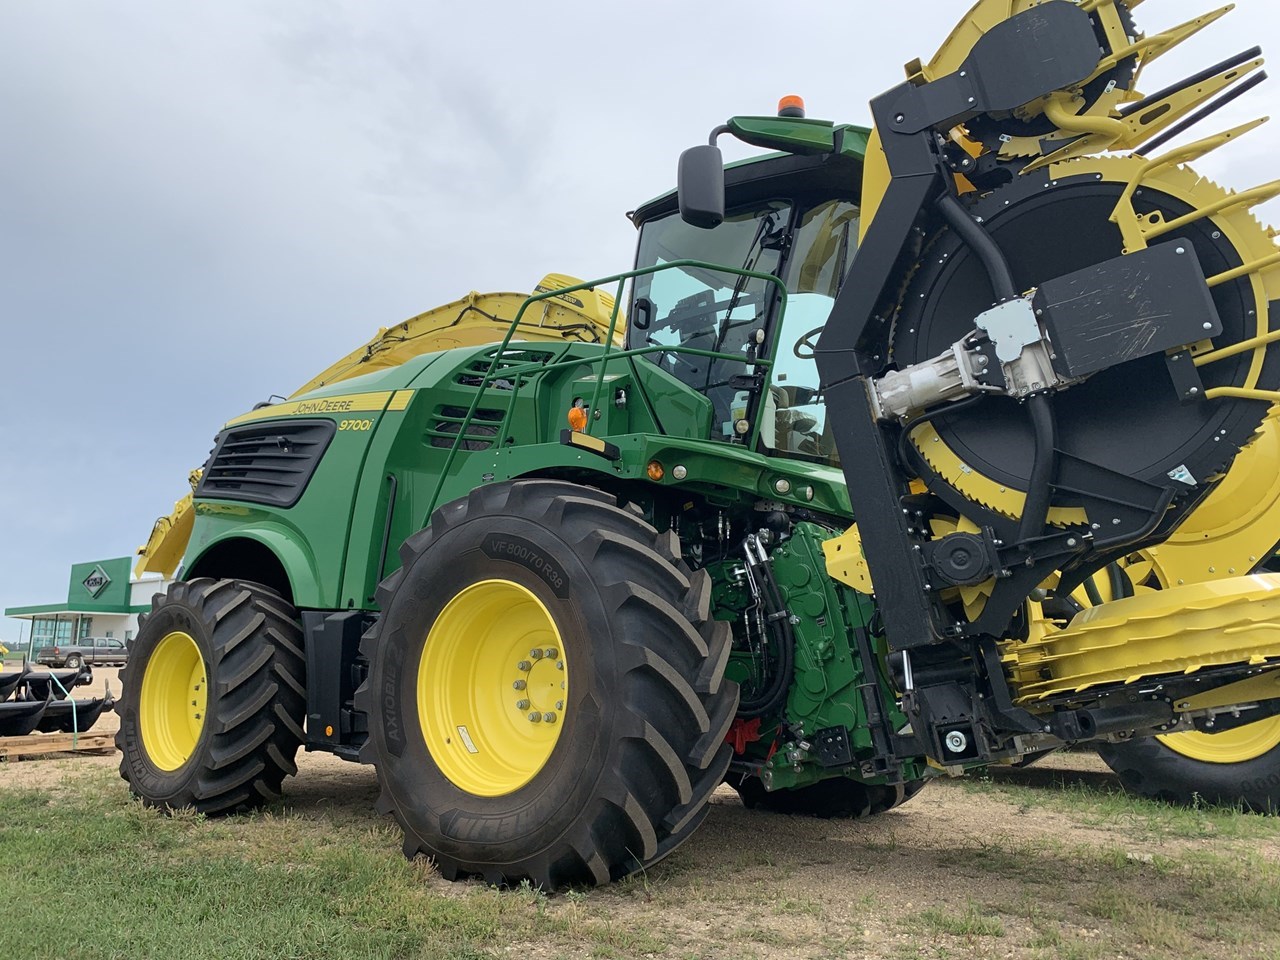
pixel 1245 268
pixel 1235 348
pixel 1056 110
pixel 1247 198
pixel 1242 393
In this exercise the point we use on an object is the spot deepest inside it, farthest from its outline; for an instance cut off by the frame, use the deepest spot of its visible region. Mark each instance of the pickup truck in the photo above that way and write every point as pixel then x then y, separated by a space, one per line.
pixel 95 651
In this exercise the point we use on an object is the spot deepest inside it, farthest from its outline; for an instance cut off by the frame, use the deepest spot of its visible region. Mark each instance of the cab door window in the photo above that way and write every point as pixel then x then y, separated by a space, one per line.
pixel 795 415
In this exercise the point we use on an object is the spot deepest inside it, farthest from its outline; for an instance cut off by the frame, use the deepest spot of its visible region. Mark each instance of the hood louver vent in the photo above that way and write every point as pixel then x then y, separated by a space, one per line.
pixel 267 463
pixel 473 373
pixel 448 421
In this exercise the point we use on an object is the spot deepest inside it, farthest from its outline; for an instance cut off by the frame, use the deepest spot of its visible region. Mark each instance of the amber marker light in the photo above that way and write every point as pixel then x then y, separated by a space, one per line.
pixel 791 106
pixel 655 471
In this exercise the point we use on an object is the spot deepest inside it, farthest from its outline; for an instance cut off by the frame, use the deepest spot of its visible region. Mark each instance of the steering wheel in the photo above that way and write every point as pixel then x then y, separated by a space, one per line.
pixel 806 341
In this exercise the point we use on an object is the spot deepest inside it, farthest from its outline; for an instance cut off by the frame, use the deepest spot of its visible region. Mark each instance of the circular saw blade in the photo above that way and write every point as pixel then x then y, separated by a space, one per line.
pixel 1128 419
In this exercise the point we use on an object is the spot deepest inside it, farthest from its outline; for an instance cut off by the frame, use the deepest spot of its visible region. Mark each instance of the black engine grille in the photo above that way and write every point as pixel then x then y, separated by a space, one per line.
pixel 269 463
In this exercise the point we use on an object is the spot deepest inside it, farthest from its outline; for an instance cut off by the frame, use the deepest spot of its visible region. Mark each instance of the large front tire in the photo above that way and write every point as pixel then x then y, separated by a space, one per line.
pixel 214 697
pixel 631 703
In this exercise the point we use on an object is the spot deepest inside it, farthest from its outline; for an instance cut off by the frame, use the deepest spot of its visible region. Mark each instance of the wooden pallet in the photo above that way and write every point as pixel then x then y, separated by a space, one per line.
pixel 14 748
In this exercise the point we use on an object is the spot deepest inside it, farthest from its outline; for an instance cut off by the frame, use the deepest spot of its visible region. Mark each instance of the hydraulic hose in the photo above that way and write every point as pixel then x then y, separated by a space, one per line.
pixel 980 242
pixel 1039 492
pixel 1121 588
pixel 1036 509
pixel 905 433
pixel 1091 590
pixel 775 693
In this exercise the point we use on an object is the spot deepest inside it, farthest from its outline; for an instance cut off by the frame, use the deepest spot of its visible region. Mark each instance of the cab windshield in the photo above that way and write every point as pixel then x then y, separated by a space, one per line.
pixel 710 309
pixel 810 246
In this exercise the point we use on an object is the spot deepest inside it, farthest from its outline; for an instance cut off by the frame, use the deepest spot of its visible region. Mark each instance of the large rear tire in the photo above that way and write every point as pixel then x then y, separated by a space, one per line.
pixel 836 798
pixel 214 697
pixel 1238 768
pixel 541 599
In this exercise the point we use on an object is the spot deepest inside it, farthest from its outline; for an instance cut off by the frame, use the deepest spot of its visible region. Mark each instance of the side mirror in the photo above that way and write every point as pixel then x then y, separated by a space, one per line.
pixel 700 186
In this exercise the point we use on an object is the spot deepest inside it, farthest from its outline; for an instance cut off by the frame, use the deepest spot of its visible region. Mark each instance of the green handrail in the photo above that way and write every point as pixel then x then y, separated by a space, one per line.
pixel 603 359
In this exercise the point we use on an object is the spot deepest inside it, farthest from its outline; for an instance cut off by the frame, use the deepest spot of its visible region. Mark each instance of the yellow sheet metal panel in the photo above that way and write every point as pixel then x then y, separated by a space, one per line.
pixel 1156 633
pixel 845 561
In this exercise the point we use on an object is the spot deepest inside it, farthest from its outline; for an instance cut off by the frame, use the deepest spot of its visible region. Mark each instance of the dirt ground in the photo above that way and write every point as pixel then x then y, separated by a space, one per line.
pixel 945 814
pixel 1013 850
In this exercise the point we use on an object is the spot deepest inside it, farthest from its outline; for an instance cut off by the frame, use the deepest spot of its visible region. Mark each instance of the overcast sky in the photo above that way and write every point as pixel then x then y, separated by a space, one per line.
pixel 202 204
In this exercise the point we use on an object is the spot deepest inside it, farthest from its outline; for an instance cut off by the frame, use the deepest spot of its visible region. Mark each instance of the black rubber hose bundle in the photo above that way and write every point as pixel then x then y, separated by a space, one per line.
pixel 775 693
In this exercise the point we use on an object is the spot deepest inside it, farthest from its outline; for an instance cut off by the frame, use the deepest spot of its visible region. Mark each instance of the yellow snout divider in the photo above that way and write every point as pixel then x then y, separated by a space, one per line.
pixel 1152 634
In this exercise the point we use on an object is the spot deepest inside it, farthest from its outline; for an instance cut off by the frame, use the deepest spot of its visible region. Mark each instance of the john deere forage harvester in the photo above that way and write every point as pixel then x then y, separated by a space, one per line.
pixel 888 399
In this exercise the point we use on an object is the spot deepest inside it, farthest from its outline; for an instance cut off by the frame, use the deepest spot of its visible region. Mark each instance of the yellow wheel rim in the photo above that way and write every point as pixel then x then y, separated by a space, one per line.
pixel 172 707
pixel 1231 746
pixel 492 685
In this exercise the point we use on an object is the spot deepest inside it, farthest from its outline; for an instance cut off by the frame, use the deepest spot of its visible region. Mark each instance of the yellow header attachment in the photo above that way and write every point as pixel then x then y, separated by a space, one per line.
pixel 1095 115
pixel 477 319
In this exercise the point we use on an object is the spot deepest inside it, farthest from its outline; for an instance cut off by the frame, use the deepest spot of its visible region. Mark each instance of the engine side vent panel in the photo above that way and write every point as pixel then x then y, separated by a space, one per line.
pixel 472 374
pixel 447 421
pixel 266 463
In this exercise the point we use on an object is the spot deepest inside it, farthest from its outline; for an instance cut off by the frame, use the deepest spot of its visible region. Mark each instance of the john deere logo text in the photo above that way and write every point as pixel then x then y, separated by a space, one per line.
pixel 96 582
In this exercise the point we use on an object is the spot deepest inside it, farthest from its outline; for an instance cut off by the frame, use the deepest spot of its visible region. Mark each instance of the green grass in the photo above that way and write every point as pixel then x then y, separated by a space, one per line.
pixel 327 880
pixel 1111 808
pixel 273 885
pixel 972 921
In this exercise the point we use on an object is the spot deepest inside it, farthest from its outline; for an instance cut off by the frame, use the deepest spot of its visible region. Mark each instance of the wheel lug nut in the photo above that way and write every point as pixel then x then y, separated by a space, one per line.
pixel 536 653
pixel 559 664
pixel 522 704
pixel 524 665
pixel 559 704
pixel 535 717
pixel 519 685
pixel 550 653
pixel 549 717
